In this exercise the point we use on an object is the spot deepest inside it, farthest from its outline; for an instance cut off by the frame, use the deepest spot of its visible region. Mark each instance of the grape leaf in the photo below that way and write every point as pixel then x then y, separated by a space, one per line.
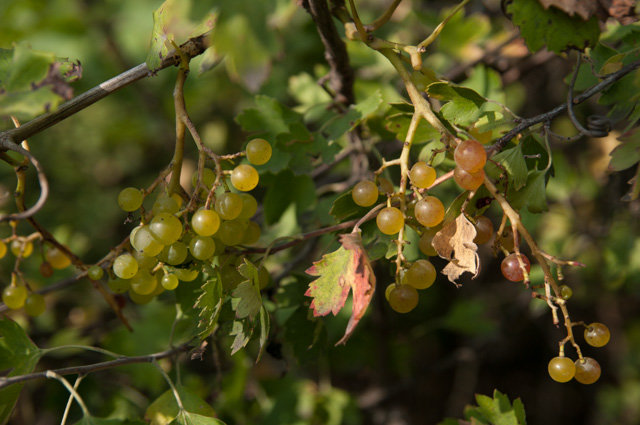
pixel 165 409
pixel 512 161
pixel 533 194
pixel 189 418
pixel 462 104
pixel 344 207
pixel 250 300
pixel 345 269
pixel 92 420
pixel 552 27
pixel 342 123
pixel 242 331
pixel 300 190
pixel 498 410
pixel 209 304
pixel 454 242
pixel 627 153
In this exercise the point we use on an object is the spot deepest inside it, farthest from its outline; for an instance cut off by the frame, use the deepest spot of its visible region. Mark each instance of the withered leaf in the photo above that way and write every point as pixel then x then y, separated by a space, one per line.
pixel 584 8
pixel 454 242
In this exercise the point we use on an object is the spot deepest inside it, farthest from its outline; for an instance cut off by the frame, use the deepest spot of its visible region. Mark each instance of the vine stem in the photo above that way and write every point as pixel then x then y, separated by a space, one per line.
pixel 72 390
pixel 68 406
pixel 174 390
pixel 178 155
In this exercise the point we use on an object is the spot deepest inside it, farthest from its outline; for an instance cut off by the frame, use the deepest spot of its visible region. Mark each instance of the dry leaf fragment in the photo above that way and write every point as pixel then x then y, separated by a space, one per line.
pixel 584 8
pixel 455 243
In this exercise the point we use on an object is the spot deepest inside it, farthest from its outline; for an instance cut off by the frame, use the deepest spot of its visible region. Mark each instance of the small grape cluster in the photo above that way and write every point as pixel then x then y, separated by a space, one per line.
pixel 585 370
pixel 172 243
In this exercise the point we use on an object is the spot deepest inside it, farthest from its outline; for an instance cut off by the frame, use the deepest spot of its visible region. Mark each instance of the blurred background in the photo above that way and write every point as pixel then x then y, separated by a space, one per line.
pixel 416 368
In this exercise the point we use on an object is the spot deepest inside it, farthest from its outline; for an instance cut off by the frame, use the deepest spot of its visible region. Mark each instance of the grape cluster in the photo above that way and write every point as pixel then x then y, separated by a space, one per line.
pixel 171 243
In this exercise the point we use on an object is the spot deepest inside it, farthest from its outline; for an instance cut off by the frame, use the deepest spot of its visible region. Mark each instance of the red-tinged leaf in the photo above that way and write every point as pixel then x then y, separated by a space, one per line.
pixel 345 269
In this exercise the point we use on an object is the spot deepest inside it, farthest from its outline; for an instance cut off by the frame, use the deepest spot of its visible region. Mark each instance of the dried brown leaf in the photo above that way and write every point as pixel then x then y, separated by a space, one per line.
pixel 455 243
pixel 584 8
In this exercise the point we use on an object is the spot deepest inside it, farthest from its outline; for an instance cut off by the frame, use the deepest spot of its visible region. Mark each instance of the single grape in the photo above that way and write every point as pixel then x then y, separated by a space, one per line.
pixel 166 227
pixel 561 369
pixel 565 292
pixel 21 248
pixel 146 242
pixel 159 288
pixel 511 269
pixel 388 290
pixel 385 186
pixel 34 305
pixel 208 178
pixel 232 232
pixel 14 296
pixel 422 175
pixel 429 211
pixel 506 240
pixel 130 199
pixel 166 204
pixel 145 262
pixel 205 222
pixel 119 286
pixel 45 269
pixel 125 266
pixel 597 334
pixel 169 282
pixel 484 229
pixel 249 206
pixel 143 282
pixel 467 180
pixel 258 151
pixel 390 220
pixel 186 275
pixel 425 245
pixel 365 193
pixel 403 298
pixel 228 205
pixel 140 298
pixel 470 156
pixel 420 275
pixel 175 254
pixel 3 249
pixel 95 272
pixel 587 370
pixel 244 177
pixel 251 233
pixel 202 247
pixel 57 258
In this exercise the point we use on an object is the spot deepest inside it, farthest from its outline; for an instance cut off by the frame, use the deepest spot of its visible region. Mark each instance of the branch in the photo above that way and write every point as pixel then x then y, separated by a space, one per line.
pixel 191 48
pixel 94 367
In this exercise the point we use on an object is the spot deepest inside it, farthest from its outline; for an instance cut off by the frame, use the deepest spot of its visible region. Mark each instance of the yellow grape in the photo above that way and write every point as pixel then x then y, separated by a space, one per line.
pixel 258 151
pixel 467 180
pixel 561 369
pixel 390 220
pixel 365 193
pixel 470 156
pixel 244 177
pixel 429 211
pixel 57 258
pixel 403 298
pixel 422 175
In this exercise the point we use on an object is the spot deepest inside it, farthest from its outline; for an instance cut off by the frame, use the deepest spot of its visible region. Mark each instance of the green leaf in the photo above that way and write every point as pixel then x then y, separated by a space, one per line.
pixel 188 418
pixel 242 331
pixel 209 304
pixel 165 409
pixel 626 154
pixel 250 300
pixel 399 125
pixel 343 123
pixel 552 27
pixel 286 189
pixel 462 104
pixel 344 208
pixel 265 325
pixel 533 194
pixel 92 420
pixel 512 161
pixel 329 290
pixel 498 410
pixel 18 353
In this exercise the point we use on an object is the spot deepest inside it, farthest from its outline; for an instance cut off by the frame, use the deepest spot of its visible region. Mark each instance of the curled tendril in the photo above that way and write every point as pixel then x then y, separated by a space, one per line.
pixel 597 125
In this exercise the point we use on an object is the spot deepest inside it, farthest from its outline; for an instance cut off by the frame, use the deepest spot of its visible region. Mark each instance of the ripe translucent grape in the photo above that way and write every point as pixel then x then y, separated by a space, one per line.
pixel 385 186
pixel 175 254
pixel 143 282
pixel 565 292
pixel 205 222
pixel 390 220
pixel 57 258
pixel 232 232
pixel 95 272
pixel 467 180
pixel 258 151
pixel 244 177
pixel 252 233
pixel 511 269
pixel 365 193
pixel 130 199
pixel 429 211
pixel 34 305
pixel 388 290
pixel 169 282
pixel 202 247
pixel 140 298
pixel 125 266
pixel 21 248
pixel 228 205
pixel 597 334
pixel 420 275
pixel 561 369
pixel 249 206
pixel 144 262
pixel 422 175
pixel 470 156
pixel 484 229
pixel 166 227
pixel 425 245
pixel 403 298
pixel 186 275
pixel 587 370
pixel 3 249
pixel 208 178
pixel 166 204
pixel 119 286
pixel 146 242
pixel 14 296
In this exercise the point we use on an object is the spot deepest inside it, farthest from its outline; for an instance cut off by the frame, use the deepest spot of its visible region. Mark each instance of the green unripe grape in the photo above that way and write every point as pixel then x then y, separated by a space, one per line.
pixel 186 275
pixel 470 156
pixel 561 369
pixel 95 272
pixel 565 292
pixel 228 205
pixel 231 232
pixel 167 228
pixel 169 282
pixel 125 266
pixel 21 248
pixel 14 296
pixel 34 305
pixel 165 204
pixel 57 258
pixel 484 230
pixel 429 211
pixel 365 193
pixel 205 222
pixel 143 282
pixel 202 247
pixel 175 253
pixel 144 262
pixel 244 177
pixel 145 241
pixel 420 275
pixel 251 233
pixel 597 335
pixel 422 175
pixel 249 206
pixel 119 286
pixel 3 249
pixel 208 178
pixel 258 151
pixel 390 220
pixel 130 199
pixel 403 298
pixel 140 298
pixel 424 244
pixel 587 370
